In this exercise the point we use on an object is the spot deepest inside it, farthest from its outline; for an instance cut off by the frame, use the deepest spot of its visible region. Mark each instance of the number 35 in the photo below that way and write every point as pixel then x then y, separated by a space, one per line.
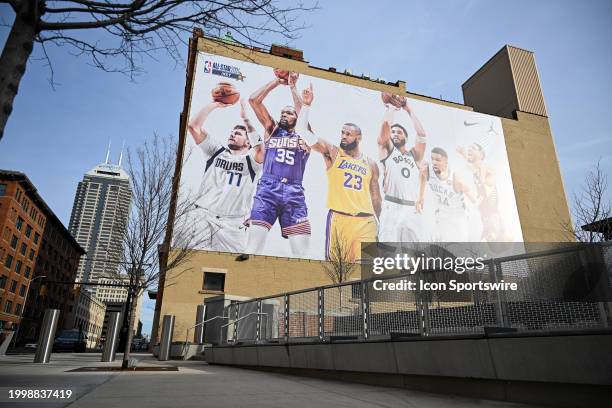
pixel 285 156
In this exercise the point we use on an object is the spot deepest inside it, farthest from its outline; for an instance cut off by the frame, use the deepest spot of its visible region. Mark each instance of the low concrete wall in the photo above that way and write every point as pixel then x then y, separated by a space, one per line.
pixel 179 351
pixel 562 370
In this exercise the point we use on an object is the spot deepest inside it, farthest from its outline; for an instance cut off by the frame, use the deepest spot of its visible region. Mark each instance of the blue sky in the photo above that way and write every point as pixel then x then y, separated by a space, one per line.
pixel 55 136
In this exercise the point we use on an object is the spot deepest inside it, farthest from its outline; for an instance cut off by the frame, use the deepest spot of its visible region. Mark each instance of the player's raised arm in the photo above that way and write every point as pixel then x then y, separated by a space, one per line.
pixel 295 95
pixel 256 101
pixel 384 137
pixel 302 128
pixel 302 125
pixel 423 177
pixel 195 125
pixel 460 186
pixel 421 140
pixel 255 139
pixel 375 188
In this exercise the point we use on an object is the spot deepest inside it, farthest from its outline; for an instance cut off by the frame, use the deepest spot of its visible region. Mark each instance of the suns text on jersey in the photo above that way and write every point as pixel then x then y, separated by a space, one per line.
pixel 284 142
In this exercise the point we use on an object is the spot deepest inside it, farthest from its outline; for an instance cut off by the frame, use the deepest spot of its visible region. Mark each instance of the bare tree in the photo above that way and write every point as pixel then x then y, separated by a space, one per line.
pixel 151 169
pixel 128 31
pixel 592 209
pixel 340 265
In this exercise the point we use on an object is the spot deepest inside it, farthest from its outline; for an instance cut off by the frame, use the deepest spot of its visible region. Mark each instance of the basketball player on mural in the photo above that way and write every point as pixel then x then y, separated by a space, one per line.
pixel 280 193
pixel 486 193
pixel 400 218
pixel 230 171
pixel 450 191
pixel 353 194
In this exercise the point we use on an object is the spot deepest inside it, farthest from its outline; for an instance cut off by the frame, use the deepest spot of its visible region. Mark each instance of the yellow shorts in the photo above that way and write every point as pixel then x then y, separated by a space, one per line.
pixel 345 233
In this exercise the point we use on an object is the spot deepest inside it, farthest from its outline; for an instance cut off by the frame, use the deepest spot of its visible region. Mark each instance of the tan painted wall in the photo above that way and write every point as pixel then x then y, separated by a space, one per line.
pixel 256 277
pixel 536 176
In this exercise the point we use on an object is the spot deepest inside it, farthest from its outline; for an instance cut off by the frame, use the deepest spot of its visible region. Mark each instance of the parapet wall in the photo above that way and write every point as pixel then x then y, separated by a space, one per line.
pixel 568 369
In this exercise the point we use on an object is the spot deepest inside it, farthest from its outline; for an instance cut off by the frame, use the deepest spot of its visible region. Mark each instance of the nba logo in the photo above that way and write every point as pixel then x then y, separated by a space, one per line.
pixel 207 67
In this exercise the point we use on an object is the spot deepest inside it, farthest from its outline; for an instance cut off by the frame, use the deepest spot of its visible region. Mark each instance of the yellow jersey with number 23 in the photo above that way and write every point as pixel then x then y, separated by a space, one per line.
pixel 349 185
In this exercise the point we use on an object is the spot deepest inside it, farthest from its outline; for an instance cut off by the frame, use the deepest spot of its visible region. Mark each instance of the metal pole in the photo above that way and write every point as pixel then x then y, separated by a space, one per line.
pixel 47 335
pixel 166 338
pixel 198 334
pixel 321 307
pixel 500 311
pixel 365 309
pixel 286 317
pixel 258 323
pixel 110 347
pixel 237 322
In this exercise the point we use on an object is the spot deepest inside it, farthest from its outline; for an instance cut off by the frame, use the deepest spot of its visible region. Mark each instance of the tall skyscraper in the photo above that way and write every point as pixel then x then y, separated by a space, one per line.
pixel 99 214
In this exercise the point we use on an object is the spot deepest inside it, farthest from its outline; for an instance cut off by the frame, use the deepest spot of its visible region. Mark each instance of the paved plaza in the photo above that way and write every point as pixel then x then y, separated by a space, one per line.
pixel 198 384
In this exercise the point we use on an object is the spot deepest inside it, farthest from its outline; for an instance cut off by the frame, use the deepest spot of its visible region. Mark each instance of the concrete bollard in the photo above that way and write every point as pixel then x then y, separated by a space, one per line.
pixel 47 336
pixel 165 342
pixel 198 335
pixel 110 347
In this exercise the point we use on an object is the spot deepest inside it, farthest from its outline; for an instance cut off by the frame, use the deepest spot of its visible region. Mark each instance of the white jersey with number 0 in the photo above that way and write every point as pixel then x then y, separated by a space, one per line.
pixel 401 175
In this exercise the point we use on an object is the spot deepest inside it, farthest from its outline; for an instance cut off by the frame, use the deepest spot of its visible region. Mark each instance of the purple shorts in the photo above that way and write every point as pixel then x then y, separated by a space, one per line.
pixel 278 198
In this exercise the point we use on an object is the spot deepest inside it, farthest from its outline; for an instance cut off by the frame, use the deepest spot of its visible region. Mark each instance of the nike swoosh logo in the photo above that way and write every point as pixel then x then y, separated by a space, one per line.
pixel 466 123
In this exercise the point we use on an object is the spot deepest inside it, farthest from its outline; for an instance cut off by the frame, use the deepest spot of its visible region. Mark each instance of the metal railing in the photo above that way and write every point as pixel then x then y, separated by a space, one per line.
pixel 234 323
pixel 355 311
pixel 201 324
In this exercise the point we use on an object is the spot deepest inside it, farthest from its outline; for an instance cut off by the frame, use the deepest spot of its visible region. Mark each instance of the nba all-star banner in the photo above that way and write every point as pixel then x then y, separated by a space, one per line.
pixel 289 165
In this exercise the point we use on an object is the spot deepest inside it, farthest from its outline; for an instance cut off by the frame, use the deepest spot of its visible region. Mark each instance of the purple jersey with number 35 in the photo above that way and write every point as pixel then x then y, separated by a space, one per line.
pixel 286 155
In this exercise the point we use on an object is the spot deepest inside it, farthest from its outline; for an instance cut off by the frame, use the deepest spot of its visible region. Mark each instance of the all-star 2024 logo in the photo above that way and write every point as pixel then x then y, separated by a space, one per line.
pixel 228 71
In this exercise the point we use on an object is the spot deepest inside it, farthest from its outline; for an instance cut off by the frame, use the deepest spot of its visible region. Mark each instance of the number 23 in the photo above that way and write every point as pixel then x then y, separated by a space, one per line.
pixel 356 184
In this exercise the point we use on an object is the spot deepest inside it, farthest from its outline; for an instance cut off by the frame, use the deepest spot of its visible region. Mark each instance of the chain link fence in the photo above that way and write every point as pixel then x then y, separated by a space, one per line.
pixel 355 310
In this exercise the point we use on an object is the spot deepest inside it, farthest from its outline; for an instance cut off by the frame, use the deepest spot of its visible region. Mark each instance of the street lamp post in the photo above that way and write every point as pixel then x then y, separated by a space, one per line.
pixel 25 299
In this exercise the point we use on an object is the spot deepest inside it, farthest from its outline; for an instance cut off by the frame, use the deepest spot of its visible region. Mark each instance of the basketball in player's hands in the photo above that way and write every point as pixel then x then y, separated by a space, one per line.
pixel 226 93
pixel 282 75
pixel 391 99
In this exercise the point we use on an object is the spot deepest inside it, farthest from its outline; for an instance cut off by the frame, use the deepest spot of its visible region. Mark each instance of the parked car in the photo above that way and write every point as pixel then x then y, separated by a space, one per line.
pixel 70 340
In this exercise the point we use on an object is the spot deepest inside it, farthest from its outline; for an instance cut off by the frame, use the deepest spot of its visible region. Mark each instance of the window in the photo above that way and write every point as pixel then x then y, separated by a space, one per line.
pixel 18 266
pixel 8 306
pixel 28 230
pixel 2 189
pixel 13 287
pixel 14 242
pixel 9 261
pixel 22 290
pixel 36 237
pixel 28 270
pixel 2 281
pixel 19 223
pixel 31 256
pixel 17 194
pixel 24 248
pixel 214 281
pixel 18 309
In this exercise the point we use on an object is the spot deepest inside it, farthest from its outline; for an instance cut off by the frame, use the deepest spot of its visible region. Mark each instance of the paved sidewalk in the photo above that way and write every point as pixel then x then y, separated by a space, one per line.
pixel 197 384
